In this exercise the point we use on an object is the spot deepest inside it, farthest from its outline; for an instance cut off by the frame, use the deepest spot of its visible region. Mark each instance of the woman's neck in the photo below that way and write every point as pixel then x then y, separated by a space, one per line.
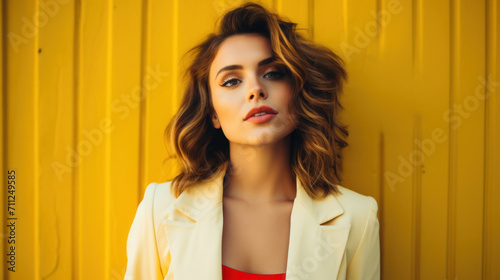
pixel 261 173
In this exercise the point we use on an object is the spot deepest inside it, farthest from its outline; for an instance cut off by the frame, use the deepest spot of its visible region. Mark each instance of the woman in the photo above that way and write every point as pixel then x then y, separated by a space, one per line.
pixel 259 143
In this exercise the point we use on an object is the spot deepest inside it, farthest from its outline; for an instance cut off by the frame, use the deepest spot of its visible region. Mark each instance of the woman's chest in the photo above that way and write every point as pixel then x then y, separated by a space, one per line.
pixel 256 239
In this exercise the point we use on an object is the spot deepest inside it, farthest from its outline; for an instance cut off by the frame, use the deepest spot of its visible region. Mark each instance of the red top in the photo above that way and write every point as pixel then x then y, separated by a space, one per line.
pixel 233 274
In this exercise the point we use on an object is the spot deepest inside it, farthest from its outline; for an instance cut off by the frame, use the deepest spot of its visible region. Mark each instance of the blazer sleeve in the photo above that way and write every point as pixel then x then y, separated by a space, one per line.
pixel 365 264
pixel 143 261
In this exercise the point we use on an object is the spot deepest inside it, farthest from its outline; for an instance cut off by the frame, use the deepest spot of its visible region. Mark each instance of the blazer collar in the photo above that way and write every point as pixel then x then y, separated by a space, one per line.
pixel 193 226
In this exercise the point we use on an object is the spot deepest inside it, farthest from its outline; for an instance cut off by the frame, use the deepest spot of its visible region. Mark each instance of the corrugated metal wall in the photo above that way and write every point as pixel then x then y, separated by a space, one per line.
pixel 89 85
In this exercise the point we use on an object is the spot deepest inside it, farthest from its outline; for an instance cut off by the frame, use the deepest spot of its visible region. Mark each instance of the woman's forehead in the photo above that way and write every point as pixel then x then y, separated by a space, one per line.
pixel 241 49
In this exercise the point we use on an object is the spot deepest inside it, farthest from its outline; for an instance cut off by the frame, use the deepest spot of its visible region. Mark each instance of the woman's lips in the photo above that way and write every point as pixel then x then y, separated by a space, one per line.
pixel 260 109
pixel 261 119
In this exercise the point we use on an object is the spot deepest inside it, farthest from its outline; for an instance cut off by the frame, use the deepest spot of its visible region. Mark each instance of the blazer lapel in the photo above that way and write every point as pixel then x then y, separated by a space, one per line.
pixel 316 247
pixel 193 226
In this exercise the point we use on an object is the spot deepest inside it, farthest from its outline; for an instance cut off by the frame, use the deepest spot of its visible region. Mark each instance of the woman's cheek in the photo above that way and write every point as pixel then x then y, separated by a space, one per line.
pixel 226 110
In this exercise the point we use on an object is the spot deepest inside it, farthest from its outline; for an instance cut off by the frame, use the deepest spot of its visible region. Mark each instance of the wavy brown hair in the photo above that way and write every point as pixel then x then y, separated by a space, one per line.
pixel 317 76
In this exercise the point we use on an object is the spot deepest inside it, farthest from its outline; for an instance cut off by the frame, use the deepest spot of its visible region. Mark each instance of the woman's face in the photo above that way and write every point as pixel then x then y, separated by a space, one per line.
pixel 243 76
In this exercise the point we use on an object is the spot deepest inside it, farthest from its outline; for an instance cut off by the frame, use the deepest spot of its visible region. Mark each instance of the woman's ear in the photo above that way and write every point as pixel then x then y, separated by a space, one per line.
pixel 215 121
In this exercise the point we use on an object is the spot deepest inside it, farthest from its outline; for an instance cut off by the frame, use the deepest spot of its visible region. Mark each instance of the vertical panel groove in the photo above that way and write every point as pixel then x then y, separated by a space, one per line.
pixel 4 115
pixel 381 198
pixel 107 143
pixel 416 200
pixel 36 148
pixel 380 7
pixel 454 63
pixel 175 48
pixel 417 35
pixel 414 25
pixel 378 16
pixel 486 159
pixel 490 48
pixel 277 6
pixel 143 118
pixel 76 176
pixel 310 18
pixel 344 12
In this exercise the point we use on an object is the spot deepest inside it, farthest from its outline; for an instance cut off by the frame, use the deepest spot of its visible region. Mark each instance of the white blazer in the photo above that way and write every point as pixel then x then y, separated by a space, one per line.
pixel 181 239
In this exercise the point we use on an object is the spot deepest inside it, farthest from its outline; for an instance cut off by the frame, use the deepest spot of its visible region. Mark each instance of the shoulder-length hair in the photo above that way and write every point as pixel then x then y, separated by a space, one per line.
pixel 317 77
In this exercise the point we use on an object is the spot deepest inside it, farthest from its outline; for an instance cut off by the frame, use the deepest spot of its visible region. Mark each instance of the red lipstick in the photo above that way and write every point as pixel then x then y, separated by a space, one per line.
pixel 264 114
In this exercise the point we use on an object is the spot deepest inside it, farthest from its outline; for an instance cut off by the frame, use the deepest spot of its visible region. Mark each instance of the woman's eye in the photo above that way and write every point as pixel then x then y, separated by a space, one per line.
pixel 230 82
pixel 274 75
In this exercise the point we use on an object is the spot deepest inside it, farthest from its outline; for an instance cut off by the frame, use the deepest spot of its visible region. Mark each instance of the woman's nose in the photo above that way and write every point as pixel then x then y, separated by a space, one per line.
pixel 255 89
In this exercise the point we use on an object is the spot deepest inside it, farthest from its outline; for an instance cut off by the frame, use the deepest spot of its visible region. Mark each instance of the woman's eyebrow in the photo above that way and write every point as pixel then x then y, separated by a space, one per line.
pixel 234 67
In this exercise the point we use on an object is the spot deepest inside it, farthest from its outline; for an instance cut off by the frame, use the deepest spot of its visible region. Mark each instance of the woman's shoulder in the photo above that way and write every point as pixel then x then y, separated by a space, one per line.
pixel 163 190
pixel 354 202
pixel 359 209
pixel 158 196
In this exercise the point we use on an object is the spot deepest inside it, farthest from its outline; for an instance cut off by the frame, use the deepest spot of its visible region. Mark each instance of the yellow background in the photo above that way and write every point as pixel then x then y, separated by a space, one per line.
pixel 89 85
